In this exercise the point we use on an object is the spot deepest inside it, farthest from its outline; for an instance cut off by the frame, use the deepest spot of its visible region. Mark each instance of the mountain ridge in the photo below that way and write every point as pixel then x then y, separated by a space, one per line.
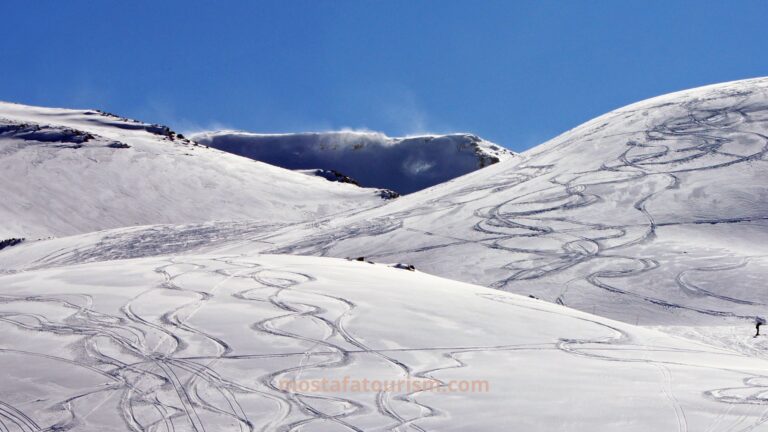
pixel 74 171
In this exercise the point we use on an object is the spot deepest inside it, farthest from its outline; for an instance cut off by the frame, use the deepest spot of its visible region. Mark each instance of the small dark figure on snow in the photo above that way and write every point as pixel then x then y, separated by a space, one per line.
pixel 758 322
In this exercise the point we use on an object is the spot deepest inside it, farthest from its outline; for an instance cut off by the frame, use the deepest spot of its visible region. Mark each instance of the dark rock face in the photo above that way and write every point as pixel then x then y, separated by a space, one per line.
pixel 387 194
pixel 10 242
pixel 57 136
pixel 335 176
pixel 44 134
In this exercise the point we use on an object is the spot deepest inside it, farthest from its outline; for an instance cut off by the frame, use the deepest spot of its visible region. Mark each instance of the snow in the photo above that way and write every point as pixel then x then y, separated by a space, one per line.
pixel 204 342
pixel 373 159
pixel 67 172
pixel 653 214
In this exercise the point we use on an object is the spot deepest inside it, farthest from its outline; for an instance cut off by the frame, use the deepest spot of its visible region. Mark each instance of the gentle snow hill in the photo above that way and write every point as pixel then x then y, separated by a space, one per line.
pixel 234 343
pixel 66 172
pixel 372 159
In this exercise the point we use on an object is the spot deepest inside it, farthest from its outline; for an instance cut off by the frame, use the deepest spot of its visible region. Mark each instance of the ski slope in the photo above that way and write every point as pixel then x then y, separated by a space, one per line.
pixel 654 214
pixel 175 296
pixel 66 172
pixel 404 165
pixel 207 343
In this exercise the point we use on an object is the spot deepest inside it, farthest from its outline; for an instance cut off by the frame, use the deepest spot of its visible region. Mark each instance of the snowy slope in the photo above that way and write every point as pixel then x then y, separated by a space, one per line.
pixel 194 343
pixel 66 172
pixel 404 165
pixel 654 213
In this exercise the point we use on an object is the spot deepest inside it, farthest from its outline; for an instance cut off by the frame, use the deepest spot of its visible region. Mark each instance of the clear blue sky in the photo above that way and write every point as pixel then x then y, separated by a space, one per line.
pixel 517 73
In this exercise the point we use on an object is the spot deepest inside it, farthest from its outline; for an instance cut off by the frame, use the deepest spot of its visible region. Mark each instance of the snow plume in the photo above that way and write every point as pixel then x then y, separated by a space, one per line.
pixel 371 158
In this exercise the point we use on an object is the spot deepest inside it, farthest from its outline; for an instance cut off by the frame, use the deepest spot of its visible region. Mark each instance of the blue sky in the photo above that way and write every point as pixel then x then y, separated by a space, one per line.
pixel 516 73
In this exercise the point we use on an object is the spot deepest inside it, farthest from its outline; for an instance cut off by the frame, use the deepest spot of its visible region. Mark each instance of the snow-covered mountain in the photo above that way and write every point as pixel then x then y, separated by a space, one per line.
pixel 654 213
pixel 372 159
pixel 279 343
pixel 66 172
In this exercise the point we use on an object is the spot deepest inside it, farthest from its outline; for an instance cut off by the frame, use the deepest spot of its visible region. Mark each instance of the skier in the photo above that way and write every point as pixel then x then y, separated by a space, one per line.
pixel 758 322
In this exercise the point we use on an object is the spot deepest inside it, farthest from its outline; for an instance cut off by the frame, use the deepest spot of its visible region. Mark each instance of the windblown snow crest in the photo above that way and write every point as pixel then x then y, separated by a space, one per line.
pixel 373 159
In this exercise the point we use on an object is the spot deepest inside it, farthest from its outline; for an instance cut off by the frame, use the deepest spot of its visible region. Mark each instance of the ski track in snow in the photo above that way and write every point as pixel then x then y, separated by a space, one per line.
pixel 188 392
pixel 755 385
pixel 183 377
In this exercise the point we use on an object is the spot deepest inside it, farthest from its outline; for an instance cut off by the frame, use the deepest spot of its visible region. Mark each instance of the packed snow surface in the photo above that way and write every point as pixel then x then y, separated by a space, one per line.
pixel 223 343
pixel 404 165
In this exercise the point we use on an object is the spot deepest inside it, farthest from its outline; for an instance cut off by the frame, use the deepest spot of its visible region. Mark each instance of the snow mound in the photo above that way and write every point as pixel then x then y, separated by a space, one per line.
pixel 373 159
